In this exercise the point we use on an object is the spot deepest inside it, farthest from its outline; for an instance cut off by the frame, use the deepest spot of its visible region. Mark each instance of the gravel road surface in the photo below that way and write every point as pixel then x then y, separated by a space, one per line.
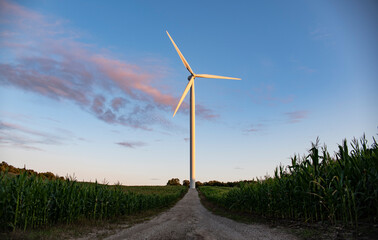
pixel 188 219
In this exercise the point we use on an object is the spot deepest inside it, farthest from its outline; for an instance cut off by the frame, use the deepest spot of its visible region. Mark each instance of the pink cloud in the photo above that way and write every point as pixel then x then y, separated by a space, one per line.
pixel 10 10
pixel 118 103
pixel 131 78
pixel 205 112
pixel 48 59
pixel 48 85
pixel 296 116
pixel 98 105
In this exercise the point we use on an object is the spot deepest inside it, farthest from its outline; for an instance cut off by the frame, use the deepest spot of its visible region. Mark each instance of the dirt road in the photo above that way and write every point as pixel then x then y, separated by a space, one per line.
pixel 188 219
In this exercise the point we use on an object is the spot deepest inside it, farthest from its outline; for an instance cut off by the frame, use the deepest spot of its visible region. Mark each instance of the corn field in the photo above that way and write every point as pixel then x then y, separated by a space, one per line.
pixel 31 201
pixel 316 187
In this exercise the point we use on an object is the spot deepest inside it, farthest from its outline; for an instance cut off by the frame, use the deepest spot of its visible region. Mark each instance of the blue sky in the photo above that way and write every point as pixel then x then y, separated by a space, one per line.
pixel 89 88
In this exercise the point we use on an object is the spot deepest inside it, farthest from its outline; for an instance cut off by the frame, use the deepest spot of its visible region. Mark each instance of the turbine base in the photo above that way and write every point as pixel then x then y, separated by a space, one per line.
pixel 193 184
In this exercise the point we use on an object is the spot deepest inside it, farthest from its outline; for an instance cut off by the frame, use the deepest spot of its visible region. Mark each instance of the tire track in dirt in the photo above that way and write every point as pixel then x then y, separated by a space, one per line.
pixel 188 219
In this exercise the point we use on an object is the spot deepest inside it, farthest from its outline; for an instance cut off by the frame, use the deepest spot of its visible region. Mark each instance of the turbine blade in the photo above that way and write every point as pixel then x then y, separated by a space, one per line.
pixel 190 83
pixel 181 56
pixel 215 76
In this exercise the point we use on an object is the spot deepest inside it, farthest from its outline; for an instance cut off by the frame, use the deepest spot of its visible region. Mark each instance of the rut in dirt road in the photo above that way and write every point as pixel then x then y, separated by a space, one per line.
pixel 188 219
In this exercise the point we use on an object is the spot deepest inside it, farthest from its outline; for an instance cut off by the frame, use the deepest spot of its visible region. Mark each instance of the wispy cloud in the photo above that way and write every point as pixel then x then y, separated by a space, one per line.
pixel 46 57
pixel 205 112
pixel 15 116
pixel 19 136
pixel 253 128
pixel 296 116
pixel 131 144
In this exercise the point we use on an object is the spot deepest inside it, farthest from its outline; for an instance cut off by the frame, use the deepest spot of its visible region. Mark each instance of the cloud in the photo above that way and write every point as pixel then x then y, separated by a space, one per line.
pixel 296 116
pixel 14 10
pixel 254 128
pixel 118 103
pixel 5 126
pixel 98 105
pixel 205 112
pixel 42 55
pixel 19 136
pixel 131 144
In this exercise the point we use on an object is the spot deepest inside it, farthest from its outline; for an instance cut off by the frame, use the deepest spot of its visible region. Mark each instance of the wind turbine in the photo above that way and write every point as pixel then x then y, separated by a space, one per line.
pixel 190 86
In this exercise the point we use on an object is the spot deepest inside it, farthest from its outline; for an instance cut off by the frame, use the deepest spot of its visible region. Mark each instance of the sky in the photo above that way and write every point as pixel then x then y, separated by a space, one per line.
pixel 88 88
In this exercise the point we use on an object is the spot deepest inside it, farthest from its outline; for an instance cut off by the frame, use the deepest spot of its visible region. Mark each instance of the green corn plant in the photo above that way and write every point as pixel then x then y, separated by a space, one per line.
pixel 316 187
pixel 31 201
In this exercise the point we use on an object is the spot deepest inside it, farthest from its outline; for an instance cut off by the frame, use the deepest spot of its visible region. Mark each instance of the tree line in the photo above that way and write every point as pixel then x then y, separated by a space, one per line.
pixel 213 183
pixel 5 167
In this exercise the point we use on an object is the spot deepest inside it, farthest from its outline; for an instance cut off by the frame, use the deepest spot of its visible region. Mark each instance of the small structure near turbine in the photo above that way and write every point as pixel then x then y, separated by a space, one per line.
pixel 190 86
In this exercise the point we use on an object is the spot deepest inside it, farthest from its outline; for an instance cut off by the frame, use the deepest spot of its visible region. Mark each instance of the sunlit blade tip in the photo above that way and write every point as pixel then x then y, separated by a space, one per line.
pixel 215 76
pixel 186 64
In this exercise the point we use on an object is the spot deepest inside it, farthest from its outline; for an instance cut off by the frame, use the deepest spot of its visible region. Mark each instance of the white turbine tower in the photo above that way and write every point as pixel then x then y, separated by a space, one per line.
pixel 190 86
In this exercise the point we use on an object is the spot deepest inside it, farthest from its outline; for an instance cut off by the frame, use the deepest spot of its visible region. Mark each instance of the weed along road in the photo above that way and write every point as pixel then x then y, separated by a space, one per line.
pixel 188 219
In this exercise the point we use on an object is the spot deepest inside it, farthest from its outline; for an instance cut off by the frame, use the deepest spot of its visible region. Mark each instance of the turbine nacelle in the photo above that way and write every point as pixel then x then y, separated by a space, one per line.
pixel 192 75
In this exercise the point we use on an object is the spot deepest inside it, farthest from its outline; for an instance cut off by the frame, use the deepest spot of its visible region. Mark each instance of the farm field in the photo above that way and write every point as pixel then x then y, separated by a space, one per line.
pixel 31 201
pixel 316 188
pixel 338 192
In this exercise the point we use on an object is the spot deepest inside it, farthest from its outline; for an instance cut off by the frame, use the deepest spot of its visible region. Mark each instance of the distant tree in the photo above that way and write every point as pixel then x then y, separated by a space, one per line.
pixel 174 182
pixel 29 172
pixel 186 183
pixel 199 184
pixel 228 184
pixel 46 175
pixel 215 183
